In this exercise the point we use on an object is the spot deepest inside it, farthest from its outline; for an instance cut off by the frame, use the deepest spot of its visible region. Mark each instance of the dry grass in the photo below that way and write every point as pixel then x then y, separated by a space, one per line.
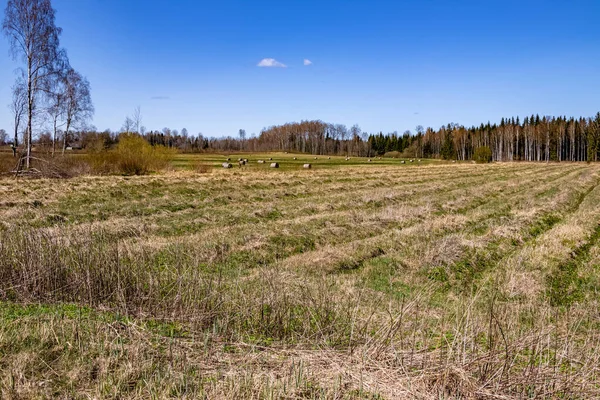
pixel 430 281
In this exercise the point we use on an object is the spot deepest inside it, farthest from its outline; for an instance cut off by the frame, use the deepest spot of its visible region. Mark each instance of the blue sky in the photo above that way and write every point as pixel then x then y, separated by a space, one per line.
pixel 385 65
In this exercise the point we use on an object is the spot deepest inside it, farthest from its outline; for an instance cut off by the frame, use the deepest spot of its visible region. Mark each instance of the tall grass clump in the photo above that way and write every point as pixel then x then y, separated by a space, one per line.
pixel 132 156
pixel 174 282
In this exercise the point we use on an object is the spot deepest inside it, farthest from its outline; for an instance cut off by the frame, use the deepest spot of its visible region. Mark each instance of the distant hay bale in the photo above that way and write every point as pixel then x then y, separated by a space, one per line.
pixel 315 158
pixel 329 158
pixel 228 159
pixel 295 158
pixel 369 160
pixel 453 161
pixel 227 165
pixel 419 160
pixel 307 166
pixel 412 160
pixel 274 165
pixel 239 159
pixel 261 161
pixel 270 158
pixel 242 162
pixel 402 162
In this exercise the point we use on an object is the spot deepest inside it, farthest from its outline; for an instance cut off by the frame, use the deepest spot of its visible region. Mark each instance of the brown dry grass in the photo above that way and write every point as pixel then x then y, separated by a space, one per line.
pixel 439 281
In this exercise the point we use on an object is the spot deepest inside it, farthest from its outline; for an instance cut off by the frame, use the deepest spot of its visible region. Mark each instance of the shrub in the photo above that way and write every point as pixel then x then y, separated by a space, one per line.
pixel 132 156
pixel 46 166
pixel 67 166
pixel 483 155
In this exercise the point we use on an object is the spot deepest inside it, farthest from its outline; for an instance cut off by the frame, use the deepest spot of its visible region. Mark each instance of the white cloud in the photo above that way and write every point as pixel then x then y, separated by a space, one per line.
pixel 271 63
pixel 307 62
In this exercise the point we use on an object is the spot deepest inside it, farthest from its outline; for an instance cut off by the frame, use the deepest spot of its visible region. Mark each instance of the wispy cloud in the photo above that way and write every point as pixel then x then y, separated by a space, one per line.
pixel 307 62
pixel 271 63
pixel 160 98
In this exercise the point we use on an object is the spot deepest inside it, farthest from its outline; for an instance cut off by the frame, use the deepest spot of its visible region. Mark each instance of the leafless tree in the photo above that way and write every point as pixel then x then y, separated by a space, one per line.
pixel 18 106
pixel 167 133
pixel 78 102
pixel 3 136
pixel 184 139
pixel 137 119
pixel 127 125
pixel 29 26
pixel 56 107
pixel 242 134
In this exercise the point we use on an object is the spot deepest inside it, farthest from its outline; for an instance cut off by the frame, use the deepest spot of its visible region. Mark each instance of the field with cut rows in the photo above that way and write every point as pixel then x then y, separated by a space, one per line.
pixel 353 279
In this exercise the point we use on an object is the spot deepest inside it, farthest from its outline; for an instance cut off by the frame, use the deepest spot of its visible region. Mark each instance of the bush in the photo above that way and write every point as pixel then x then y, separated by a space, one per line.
pixel 483 155
pixel 132 156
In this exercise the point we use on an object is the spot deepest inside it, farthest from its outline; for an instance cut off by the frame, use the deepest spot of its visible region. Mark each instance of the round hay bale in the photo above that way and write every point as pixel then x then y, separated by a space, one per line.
pixel 270 158
pixel 369 160
pixel 315 158
pixel 402 162
pixel 329 158
pixel 227 165
pixel 295 158
pixel 274 165
pixel 307 166
pixel 228 159
pixel 261 161
pixel 412 160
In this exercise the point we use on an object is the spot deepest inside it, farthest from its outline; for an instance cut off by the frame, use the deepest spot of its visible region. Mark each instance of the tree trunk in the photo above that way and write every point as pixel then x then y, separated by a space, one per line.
pixel 16 140
pixel 54 138
pixel 29 134
pixel 65 136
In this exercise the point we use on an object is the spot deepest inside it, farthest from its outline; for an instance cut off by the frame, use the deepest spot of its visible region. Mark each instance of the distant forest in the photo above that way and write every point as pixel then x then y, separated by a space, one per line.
pixel 534 138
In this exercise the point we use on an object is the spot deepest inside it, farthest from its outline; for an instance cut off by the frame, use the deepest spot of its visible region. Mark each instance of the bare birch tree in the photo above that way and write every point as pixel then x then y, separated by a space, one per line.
pixel 78 102
pixel 18 107
pixel 29 26
pixel 137 119
pixel 56 108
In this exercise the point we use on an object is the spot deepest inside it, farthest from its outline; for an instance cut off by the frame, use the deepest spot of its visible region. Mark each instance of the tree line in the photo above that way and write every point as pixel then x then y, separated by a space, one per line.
pixel 534 139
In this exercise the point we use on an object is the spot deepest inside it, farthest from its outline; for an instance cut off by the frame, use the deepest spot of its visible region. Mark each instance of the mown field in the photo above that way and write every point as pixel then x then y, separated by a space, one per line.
pixel 363 280
pixel 288 161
